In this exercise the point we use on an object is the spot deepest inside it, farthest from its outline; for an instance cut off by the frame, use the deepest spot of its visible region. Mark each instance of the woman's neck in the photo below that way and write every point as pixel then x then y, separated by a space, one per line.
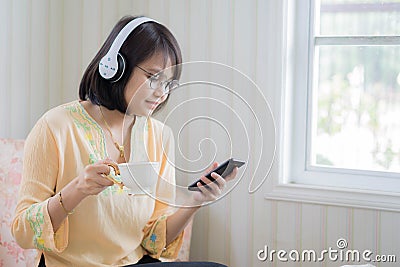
pixel 117 128
pixel 114 118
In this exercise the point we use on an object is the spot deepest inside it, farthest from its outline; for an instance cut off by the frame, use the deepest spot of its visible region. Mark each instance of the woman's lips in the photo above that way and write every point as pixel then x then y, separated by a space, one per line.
pixel 152 104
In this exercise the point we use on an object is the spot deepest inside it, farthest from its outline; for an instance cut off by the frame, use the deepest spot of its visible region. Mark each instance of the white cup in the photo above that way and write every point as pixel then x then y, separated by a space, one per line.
pixel 139 177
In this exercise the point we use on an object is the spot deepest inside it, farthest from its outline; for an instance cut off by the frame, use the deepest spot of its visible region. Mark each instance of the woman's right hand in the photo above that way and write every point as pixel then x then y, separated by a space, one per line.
pixel 92 180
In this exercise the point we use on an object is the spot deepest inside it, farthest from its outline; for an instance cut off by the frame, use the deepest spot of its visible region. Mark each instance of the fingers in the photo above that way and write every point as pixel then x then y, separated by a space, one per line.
pixel 209 192
pixel 212 187
pixel 111 165
pixel 220 180
pixel 98 172
pixel 102 169
pixel 232 175
pixel 93 178
pixel 111 180
pixel 212 167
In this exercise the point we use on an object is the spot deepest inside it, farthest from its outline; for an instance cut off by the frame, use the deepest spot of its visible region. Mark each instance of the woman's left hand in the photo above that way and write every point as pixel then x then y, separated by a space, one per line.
pixel 213 190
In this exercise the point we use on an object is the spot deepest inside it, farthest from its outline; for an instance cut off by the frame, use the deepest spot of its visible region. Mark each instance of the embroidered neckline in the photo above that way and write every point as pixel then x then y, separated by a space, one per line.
pixel 88 124
pixel 85 116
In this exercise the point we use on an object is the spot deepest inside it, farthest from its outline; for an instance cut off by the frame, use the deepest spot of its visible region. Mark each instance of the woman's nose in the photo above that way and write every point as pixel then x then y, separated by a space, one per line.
pixel 159 91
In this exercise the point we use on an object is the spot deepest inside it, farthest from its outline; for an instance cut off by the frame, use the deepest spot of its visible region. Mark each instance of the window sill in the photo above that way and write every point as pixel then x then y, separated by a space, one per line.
pixel 365 199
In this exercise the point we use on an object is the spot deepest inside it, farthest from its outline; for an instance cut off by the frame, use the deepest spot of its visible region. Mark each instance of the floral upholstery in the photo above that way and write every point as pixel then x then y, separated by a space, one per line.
pixel 10 177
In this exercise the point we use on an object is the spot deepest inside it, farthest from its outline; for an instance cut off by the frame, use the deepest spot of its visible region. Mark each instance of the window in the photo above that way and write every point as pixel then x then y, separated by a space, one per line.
pixel 342 126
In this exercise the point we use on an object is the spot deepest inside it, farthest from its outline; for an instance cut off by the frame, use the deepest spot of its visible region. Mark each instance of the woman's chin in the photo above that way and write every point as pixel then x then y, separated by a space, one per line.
pixel 144 112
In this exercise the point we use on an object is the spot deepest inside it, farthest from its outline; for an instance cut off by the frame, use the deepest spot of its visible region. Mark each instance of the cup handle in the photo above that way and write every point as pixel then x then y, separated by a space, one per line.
pixel 117 172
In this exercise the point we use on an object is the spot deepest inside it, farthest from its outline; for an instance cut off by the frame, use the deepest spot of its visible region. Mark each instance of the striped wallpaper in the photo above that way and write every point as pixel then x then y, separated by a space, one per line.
pixel 46 44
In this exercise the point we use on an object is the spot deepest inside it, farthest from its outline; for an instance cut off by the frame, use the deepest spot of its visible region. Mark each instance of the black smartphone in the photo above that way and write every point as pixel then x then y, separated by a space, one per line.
pixel 223 169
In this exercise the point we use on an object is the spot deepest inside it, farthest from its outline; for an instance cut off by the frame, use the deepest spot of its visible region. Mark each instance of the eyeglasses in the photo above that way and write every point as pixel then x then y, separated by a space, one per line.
pixel 160 80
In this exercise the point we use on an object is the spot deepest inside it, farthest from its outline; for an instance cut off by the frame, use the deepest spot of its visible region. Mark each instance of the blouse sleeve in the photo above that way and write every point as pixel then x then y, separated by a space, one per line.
pixel 32 227
pixel 154 241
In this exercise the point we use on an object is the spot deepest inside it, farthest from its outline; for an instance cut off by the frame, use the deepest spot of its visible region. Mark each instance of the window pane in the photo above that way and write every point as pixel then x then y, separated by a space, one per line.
pixel 359 17
pixel 356 104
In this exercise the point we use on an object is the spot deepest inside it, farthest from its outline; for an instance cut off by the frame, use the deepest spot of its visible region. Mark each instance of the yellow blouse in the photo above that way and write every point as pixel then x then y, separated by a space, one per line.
pixel 109 229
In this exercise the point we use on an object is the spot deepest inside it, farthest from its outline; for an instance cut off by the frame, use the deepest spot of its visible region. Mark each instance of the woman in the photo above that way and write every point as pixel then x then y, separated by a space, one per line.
pixel 68 207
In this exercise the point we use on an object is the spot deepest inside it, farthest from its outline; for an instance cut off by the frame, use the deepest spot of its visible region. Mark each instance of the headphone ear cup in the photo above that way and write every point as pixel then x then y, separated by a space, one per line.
pixel 121 68
pixel 113 65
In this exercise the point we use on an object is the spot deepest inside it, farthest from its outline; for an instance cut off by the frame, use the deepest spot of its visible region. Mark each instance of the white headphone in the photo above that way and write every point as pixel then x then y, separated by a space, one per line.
pixel 112 65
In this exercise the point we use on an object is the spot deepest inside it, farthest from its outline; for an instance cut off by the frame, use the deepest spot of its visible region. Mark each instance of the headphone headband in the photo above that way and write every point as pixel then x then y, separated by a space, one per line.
pixel 108 66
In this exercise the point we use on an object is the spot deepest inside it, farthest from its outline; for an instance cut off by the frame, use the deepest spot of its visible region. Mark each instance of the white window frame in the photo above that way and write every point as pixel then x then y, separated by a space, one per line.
pixel 297 180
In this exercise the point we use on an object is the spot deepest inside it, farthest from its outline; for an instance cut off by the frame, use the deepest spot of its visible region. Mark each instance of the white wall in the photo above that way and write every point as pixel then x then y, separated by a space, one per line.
pixel 45 46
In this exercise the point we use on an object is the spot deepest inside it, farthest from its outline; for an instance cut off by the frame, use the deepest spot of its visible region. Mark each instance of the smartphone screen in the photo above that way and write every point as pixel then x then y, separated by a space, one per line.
pixel 223 169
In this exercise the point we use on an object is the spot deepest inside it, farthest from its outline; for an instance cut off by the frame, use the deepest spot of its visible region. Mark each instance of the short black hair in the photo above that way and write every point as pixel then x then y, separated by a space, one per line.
pixel 142 43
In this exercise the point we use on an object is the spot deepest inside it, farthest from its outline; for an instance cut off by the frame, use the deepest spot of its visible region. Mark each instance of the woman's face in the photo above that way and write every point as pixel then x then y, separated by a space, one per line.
pixel 141 98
